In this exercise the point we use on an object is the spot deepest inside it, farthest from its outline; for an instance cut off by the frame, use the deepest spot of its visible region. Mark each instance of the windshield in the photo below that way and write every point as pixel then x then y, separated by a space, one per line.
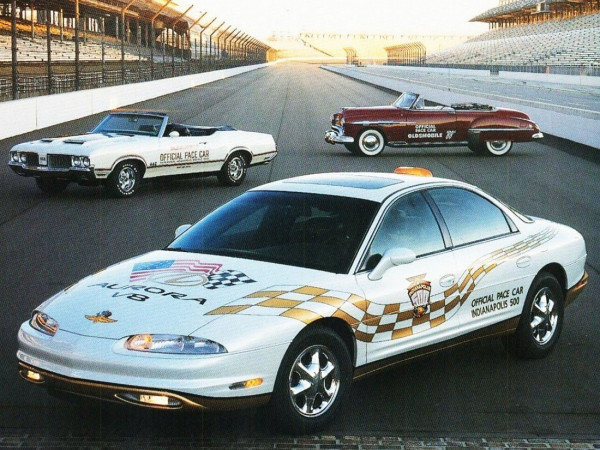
pixel 406 100
pixel 131 124
pixel 320 232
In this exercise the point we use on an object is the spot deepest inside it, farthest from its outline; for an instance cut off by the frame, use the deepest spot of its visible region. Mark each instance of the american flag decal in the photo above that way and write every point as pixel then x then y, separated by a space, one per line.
pixel 144 271
pixel 187 273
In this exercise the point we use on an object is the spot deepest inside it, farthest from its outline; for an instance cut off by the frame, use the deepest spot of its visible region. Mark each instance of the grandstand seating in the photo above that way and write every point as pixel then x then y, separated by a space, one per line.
pixel 570 42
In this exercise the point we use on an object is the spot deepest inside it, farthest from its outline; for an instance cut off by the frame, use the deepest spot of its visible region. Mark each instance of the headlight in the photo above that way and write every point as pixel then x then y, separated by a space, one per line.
pixel 85 161
pixel 75 161
pixel 167 343
pixel 23 157
pixel 43 323
pixel 14 156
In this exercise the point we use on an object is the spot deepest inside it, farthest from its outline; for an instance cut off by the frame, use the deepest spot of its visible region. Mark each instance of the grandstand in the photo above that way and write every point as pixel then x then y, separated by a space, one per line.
pixel 543 35
pixel 75 44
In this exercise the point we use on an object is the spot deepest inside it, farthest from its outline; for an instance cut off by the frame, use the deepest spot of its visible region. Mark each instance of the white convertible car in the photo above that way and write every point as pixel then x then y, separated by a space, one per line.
pixel 128 146
pixel 285 294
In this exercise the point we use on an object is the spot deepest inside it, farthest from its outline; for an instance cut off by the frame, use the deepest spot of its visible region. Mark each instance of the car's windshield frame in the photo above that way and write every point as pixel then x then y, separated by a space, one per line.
pixel 155 124
pixel 314 231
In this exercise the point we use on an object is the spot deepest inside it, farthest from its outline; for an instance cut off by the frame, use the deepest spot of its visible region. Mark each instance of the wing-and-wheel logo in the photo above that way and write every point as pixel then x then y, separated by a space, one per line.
pixel 419 291
pixel 101 317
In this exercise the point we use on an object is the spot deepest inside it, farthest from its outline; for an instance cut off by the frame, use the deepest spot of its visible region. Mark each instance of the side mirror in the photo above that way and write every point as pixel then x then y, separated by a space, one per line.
pixel 174 133
pixel 391 258
pixel 182 229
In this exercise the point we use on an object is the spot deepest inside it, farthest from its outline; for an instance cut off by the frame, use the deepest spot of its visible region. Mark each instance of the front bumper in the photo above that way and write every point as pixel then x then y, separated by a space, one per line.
pixel 79 174
pixel 336 136
pixel 103 369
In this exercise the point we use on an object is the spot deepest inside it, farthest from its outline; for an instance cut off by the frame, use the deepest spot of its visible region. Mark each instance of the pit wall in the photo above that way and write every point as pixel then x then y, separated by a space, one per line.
pixel 29 114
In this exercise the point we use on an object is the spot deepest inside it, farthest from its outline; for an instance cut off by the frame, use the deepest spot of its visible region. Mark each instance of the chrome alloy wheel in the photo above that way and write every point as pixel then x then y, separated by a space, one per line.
pixel 543 316
pixel 235 168
pixel 314 381
pixel 126 179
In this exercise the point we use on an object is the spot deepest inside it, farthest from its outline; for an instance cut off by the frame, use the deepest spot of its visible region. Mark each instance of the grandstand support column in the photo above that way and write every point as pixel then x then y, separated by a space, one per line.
pixel 77 68
pixel 48 47
pixel 153 37
pixel 123 10
pixel 13 49
pixel 61 18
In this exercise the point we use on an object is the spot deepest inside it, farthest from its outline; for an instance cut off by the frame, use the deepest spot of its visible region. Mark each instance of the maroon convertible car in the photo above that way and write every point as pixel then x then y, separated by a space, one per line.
pixel 413 121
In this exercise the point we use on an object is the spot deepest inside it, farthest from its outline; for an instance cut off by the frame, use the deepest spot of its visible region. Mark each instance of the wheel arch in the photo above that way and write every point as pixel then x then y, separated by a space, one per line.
pixel 343 330
pixel 558 272
pixel 244 151
pixel 138 161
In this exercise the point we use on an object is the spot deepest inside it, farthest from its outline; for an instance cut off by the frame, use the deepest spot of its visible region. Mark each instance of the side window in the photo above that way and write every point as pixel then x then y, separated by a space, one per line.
pixel 408 223
pixel 469 216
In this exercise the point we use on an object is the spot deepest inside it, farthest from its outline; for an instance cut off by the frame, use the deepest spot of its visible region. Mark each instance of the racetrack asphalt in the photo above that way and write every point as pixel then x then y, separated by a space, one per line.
pixel 470 396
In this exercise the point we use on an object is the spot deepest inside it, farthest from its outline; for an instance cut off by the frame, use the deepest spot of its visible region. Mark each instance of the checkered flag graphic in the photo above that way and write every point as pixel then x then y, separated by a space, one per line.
pixel 226 278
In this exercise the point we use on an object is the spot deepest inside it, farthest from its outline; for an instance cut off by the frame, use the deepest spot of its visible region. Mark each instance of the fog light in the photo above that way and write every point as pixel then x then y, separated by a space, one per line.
pixel 157 401
pixel 255 382
pixel 31 375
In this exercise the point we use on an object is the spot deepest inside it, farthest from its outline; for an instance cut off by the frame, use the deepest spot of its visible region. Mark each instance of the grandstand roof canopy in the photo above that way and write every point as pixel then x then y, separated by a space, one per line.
pixel 518 8
pixel 166 12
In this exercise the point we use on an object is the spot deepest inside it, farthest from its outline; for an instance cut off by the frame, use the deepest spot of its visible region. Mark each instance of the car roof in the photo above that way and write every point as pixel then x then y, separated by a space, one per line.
pixel 366 185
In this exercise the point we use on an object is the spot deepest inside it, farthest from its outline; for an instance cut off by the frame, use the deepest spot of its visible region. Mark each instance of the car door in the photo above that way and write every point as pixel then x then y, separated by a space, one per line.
pixel 406 305
pixel 180 153
pixel 430 124
pixel 491 256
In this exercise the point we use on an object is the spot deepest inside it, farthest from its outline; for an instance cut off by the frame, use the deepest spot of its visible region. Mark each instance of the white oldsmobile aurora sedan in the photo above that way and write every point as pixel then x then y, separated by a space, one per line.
pixel 290 291
pixel 127 146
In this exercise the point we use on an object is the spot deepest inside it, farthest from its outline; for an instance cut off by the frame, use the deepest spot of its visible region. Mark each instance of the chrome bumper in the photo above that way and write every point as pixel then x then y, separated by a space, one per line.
pixel 336 136
pixel 538 135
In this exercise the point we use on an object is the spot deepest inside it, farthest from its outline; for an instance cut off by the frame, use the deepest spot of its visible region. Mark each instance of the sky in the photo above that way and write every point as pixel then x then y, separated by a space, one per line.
pixel 261 18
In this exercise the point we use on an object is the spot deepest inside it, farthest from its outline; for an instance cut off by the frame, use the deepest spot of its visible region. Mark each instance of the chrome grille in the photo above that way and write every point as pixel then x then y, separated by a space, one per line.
pixel 59 161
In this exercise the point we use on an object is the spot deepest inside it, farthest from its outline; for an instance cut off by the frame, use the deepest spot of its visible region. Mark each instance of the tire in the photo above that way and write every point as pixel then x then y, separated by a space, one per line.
pixel 124 180
pixel 313 380
pixel 541 320
pixel 496 148
pixel 51 186
pixel 233 171
pixel 352 148
pixel 370 142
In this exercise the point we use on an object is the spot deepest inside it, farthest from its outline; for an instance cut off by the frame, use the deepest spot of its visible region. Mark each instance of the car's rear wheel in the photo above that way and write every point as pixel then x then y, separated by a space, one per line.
pixel 370 142
pixel 233 171
pixel 313 380
pixel 51 186
pixel 496 148
pixel 541 320
pixel 124 180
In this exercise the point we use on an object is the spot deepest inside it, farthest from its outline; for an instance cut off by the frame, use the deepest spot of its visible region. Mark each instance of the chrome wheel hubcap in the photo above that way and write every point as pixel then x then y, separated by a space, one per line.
pixel 314 381
pixel 544 316
pixel 126 179
pixel 371 142
pixel 236 168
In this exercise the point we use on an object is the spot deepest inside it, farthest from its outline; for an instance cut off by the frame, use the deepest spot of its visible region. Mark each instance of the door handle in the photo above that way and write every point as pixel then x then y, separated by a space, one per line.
pixel 447 280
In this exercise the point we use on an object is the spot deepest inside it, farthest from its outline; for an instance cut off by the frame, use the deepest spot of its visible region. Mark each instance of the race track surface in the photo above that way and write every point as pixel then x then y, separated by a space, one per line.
pixel 471 392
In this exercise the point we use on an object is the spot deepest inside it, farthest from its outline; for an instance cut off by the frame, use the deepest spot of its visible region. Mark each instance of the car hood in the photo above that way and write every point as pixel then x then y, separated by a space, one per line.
pixel 74 145
pixel 165 292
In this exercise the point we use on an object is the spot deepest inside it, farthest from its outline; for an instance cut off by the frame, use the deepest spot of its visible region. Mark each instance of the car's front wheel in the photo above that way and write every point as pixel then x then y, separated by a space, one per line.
pixel 496 148
pixel 370 142
pixel 124 180
pixel 233 171
pixel 313 380
pixel 541 320
pixel 51 186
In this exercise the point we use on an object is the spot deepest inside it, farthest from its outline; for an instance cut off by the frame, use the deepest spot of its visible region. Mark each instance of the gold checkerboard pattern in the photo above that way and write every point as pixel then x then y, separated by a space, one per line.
pixel 375 322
